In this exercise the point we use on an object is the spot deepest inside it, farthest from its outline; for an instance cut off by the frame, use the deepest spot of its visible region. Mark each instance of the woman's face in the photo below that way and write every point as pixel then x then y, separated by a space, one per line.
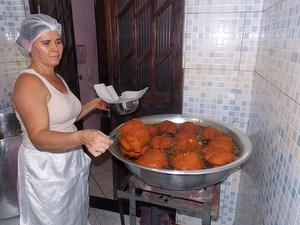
pixel 47 49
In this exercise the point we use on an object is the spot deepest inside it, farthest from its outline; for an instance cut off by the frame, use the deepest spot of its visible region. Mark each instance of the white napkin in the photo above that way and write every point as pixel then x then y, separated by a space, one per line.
pixel 108 94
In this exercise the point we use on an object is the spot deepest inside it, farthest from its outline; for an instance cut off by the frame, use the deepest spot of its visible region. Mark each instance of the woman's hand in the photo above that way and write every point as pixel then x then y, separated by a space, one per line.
pixel 100 104
pixel 96 103
pixel 96 142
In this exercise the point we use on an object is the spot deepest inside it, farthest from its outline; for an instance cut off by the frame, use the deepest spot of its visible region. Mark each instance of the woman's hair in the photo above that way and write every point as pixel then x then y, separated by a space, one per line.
pixel 33 27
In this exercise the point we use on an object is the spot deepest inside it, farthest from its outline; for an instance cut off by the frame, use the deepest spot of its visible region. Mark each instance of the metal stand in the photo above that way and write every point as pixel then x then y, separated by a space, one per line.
pixel 204 201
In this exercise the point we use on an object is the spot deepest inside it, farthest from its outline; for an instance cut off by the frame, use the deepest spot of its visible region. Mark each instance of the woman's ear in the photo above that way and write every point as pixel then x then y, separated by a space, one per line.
pixel 26 44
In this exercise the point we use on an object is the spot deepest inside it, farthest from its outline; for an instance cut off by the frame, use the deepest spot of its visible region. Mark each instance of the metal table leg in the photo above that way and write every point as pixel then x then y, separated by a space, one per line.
pixel 206 214
pixel 202 201
pixel 121 211
pixel 132 207
pixel 154 215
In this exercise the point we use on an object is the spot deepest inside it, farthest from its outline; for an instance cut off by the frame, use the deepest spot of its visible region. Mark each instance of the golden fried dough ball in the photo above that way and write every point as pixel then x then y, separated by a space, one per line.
pixel 151 129
pixel 209 132
pixel 132 154
pixel 187 145
pixel 133 135
pixel 134 141
pixel 189 127
pixel 187 161
pixel 167 126
pixel 222 141
pixel 185 136
pixel 132 125
pixel 154 158
pixel 163 142
pixel 217 156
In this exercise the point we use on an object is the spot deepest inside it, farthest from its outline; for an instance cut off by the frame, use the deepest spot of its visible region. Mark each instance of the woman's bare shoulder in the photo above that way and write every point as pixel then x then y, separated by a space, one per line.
pixel 28 80
pixel 29 85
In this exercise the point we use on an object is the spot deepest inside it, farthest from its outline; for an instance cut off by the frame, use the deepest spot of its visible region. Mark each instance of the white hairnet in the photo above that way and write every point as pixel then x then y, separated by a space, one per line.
pixel 33 27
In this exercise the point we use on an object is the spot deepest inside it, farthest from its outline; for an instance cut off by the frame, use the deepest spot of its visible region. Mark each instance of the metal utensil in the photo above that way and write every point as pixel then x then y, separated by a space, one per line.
pixel 114 137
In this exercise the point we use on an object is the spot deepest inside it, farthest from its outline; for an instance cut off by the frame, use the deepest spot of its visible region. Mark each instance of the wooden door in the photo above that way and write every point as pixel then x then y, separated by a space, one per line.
pixel 145 50
pixel 144 40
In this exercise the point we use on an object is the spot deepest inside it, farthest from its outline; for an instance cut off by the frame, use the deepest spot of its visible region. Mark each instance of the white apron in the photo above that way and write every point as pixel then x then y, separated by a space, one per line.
pixel 59 194
pixel 53 187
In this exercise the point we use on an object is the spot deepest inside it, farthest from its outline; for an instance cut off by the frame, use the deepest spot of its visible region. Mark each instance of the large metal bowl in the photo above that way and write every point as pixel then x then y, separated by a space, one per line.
pixel 9 125
pixel 187 179
pixel 9 146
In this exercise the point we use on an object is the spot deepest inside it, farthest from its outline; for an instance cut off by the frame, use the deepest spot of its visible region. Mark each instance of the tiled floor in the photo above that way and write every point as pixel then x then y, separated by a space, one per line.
pixel 101 185
pixel 101 180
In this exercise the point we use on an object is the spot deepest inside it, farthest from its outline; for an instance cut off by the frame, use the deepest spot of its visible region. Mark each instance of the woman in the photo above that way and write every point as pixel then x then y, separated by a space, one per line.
pixel 53 169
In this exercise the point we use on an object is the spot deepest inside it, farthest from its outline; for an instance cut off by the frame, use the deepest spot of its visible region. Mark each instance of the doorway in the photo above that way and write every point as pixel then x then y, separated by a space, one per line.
pixel 143 40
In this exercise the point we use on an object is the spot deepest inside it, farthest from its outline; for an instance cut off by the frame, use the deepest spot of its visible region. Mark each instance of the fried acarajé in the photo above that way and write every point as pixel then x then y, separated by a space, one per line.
pixel 222 141
pixel 154 158
pixel 209 132
pixel 185 135
pixel 217 156
pixel 134 141
pixel 133 154
pixel 163 142
pixel 188 127
pixel 187 161
pixel 187 145
pixel 134 135
pixel 167 126
pixel 151 129
pixel 132 125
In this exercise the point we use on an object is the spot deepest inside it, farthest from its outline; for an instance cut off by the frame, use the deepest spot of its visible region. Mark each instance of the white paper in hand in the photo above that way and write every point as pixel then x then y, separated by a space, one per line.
pixel 112 93
pixel 104 93
pixel 133 94
pixel 108 94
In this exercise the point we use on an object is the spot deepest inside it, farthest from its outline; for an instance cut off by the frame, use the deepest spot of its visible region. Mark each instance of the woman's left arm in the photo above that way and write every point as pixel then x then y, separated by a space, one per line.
pixel 96 103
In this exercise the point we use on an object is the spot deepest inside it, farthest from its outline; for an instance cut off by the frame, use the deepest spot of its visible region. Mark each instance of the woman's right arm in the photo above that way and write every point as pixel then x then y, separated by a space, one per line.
pixel 30 97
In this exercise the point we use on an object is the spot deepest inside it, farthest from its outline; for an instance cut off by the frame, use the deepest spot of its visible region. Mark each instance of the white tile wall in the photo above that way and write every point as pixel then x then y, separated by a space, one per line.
pixel 273 173
pixel 220 47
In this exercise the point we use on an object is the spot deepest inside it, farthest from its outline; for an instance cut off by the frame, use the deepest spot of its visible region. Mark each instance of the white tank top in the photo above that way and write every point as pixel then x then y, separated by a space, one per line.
pixel 63 109
pixel 53 187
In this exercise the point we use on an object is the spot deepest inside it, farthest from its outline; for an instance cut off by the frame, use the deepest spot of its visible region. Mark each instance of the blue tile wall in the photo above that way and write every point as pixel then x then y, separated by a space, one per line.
pixel 220 47
pixel 11 62
pixel 273 173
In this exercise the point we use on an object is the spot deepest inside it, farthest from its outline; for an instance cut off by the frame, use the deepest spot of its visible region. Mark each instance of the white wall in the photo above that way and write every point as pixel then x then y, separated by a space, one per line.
pixel 85 34
pixel 271 188
pixel 220 47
